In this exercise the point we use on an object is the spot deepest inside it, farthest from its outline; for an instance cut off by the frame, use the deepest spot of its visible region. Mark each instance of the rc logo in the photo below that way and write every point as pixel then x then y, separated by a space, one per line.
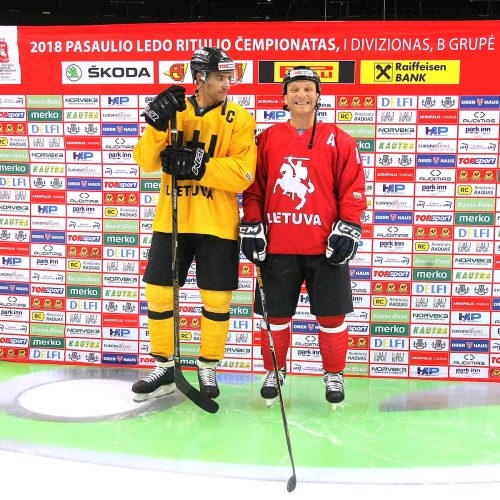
pixel 292 174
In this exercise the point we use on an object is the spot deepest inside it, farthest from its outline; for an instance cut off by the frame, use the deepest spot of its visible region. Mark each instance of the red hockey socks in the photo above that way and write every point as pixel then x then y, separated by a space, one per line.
pixel 280 330
pixel 333 338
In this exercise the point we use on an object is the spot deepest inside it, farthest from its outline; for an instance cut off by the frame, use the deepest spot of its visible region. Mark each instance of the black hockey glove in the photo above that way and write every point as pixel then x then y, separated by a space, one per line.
pixel 253 242
pixel 160 110
pixel 342 243
pixel 185 163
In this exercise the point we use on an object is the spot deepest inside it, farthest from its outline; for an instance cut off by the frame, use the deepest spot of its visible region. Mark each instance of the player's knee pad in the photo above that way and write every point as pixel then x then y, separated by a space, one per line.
pixel 160 298
pixel 332 324
pixel 279 323
pixel 216 301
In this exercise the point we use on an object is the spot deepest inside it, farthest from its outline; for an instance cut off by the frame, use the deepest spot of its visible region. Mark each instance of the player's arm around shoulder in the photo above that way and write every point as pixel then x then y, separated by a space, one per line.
pixel 148 148
pixel 236 171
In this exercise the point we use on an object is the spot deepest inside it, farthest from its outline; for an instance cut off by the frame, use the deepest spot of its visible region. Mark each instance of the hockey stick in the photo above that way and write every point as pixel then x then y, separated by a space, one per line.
pixel 292 481
pixel 199 399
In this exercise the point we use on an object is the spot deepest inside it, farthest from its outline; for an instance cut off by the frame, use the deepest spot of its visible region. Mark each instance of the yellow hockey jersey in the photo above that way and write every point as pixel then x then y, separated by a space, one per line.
pixel 210 205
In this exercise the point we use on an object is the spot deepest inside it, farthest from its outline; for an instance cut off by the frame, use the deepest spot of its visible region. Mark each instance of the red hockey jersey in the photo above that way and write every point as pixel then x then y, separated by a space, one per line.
pixel 300 192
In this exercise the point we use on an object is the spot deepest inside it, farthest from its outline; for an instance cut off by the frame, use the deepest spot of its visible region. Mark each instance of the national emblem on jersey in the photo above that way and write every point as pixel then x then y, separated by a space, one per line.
pixel 293 172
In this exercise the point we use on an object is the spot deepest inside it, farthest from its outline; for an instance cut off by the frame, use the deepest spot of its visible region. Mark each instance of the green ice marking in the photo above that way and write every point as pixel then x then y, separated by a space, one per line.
pixel 245 431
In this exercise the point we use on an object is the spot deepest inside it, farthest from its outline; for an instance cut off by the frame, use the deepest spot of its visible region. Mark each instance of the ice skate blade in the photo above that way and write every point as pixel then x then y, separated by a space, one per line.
pixel 271 401
pixel 163 390
pixel 334 406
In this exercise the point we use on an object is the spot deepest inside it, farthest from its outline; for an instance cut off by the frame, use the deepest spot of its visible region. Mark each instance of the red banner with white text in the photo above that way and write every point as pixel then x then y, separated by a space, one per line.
pixel 76 211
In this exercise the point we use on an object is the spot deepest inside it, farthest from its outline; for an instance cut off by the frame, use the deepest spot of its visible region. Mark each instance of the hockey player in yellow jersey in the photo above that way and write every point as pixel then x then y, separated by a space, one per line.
pixel 214 159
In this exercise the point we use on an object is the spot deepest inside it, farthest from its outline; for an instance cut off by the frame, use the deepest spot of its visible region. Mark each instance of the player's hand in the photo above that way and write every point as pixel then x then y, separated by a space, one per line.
pixel 160 110
pixel 342 243
pixel 253 242
pixel 185 163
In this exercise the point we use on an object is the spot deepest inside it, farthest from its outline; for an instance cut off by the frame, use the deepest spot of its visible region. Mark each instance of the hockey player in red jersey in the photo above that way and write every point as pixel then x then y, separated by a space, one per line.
pixel 301 223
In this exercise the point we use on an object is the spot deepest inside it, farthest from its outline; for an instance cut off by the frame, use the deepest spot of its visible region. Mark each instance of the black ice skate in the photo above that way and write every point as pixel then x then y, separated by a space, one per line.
pixel 334 385
pixel 207 379
pixel 158 383
pixel 269 390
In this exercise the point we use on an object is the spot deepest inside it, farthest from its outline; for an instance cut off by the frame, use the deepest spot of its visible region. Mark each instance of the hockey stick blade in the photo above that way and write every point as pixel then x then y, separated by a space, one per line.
pixel 193 394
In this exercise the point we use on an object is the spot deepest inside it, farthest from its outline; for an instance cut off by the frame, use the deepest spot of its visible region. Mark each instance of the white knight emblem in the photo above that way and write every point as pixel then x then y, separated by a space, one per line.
pixel 292 174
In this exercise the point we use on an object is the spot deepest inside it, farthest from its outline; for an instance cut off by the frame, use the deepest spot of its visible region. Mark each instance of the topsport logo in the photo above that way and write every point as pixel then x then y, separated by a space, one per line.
pixel 12 115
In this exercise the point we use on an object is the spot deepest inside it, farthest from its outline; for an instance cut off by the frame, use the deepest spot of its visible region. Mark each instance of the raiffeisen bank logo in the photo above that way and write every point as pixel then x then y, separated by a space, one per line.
pixel 410 72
